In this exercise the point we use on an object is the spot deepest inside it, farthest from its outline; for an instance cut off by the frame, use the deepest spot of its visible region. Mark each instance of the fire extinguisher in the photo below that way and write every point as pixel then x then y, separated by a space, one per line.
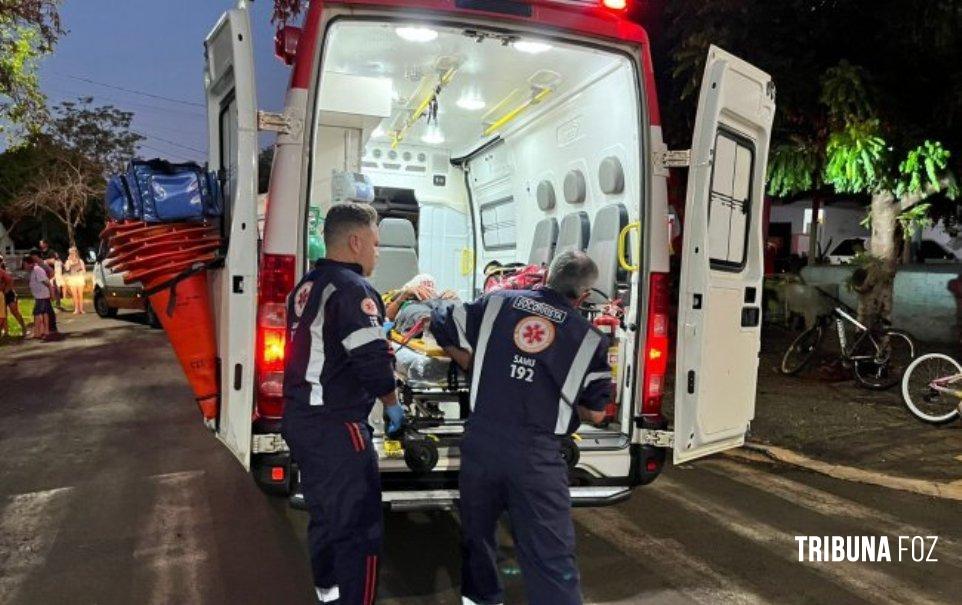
pixel 609 324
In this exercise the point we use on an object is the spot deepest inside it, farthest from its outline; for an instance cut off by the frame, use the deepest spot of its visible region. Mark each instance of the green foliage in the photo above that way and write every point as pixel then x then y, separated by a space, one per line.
pixel 915 219
pixel 100 133
pixel 845 94
pixel 856 158
pixel 793 168
pixel 924 169
pixel 29 29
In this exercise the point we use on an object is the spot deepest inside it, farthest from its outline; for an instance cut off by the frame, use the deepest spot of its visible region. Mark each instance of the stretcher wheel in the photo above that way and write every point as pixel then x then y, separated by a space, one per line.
pixel 421 456
pixel 570 452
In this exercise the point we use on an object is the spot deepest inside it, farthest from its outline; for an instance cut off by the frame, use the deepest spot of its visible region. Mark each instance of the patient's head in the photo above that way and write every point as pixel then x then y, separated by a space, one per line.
pixel 572 274
pixel 422 283
pixel 350 235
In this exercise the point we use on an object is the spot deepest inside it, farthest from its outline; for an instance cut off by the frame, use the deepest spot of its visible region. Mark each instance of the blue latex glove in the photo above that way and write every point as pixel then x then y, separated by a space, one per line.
pixel 395 414
pixel 387 326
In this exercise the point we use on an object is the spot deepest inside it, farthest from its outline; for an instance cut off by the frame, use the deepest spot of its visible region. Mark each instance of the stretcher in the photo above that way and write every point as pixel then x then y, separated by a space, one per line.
pixel 434 393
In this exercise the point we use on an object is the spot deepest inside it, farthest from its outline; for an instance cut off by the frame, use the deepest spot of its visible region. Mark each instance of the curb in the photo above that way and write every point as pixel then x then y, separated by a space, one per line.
pixel 938 489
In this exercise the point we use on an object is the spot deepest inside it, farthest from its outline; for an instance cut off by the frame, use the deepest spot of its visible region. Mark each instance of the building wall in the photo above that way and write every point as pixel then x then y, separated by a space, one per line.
pixel 839 222
pixel 922 305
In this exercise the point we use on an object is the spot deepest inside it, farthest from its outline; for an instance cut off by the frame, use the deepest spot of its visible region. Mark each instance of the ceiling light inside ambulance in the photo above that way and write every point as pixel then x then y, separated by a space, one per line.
pixel 432 136
pixel 416 34
pixel 531 47
pixel 471 102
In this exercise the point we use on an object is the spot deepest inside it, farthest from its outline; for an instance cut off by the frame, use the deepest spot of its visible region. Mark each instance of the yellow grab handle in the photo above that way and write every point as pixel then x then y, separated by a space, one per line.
pixel 623 246
pixel 467 261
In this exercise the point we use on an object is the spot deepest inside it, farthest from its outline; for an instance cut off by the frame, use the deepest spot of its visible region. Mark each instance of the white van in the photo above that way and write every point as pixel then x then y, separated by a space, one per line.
pixel 520 129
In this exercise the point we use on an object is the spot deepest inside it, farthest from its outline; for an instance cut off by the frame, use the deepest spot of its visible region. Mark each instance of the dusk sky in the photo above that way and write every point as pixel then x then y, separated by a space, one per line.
pixel 154 48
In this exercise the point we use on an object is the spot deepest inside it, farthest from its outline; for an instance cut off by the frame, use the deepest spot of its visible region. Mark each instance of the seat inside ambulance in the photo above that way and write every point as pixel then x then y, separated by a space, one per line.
pixel 398 258
pixel 544 242
pixel 574 233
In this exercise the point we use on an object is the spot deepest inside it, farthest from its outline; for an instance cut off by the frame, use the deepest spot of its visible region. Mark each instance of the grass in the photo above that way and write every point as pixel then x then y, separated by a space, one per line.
pixel 26 310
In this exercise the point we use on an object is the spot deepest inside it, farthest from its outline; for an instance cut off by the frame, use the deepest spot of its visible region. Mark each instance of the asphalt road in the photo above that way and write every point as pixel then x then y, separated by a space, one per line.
pixel 111 491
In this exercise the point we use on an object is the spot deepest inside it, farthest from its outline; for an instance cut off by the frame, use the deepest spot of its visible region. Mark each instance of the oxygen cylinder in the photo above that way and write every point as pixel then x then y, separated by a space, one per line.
pixel 315 234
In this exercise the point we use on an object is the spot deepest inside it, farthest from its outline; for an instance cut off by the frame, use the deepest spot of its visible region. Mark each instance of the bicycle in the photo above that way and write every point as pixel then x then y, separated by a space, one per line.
pixel 877 356
pixel 930 390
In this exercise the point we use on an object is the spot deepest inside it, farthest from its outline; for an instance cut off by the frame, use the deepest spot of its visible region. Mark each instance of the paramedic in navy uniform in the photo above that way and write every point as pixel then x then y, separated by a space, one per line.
pixel 337 363
pixel 537 367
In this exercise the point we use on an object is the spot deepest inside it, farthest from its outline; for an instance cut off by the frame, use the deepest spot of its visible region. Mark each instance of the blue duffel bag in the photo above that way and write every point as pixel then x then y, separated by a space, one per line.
pixel 118 201
pixel 164 191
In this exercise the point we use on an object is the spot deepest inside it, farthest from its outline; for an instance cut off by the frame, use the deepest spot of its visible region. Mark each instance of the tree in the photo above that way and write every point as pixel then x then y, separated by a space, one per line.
pixel 864 154
pixel 101 134
pixel 869 126
pixel 285 10
pixel 63 186
pixel 59 172
pixel 29 29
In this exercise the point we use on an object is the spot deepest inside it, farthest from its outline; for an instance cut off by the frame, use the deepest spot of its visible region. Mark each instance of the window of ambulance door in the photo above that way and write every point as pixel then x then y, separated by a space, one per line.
pixel 729 210
pixel 228 146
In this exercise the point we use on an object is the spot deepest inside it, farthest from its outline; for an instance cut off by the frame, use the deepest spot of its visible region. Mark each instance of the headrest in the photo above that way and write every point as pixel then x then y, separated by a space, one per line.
pixel 546 197
pixel 611 175
pixel 397 233
pixel 575 187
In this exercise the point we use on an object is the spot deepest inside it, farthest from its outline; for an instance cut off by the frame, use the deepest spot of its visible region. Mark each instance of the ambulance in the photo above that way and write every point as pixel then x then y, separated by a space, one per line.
pixel 487 133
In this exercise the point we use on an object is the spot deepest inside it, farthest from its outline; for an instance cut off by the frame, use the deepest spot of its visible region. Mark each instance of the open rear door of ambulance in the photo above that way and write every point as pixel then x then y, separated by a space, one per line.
pixel 720 296
pixel 232 126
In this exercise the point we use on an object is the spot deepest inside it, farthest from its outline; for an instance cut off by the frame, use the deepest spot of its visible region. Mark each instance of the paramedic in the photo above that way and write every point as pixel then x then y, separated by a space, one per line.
pixel 337 362
pixel 537 367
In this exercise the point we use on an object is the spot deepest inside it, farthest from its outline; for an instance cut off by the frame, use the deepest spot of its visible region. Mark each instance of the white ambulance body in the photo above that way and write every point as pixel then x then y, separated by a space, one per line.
pixel 520 129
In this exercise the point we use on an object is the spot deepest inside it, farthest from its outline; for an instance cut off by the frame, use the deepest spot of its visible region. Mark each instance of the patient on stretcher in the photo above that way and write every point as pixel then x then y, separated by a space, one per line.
pixel 420 361
pixel 413 303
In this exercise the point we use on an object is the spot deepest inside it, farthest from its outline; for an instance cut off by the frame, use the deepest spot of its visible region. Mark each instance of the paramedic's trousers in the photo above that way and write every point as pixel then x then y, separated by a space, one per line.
pixel 528 478
pixel 342 488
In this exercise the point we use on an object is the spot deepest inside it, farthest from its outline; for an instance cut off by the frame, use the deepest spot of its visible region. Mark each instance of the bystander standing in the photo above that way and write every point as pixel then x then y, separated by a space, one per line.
pixel 9 301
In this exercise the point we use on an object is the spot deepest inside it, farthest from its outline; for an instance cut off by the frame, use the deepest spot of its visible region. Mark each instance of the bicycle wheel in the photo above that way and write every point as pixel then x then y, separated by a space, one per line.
pixel 800 351
pixel 882 366
pixel 924 402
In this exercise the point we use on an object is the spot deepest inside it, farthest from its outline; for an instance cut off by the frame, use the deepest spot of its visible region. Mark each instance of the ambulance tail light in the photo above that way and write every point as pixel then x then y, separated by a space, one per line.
pixel 655 361
pixel 276 281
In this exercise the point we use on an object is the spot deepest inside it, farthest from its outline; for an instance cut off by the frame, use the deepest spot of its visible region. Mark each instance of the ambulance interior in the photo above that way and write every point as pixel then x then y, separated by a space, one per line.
pixel 483 146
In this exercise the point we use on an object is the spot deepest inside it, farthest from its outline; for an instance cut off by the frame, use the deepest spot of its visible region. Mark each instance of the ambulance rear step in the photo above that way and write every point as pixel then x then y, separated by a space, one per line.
pixel 446 499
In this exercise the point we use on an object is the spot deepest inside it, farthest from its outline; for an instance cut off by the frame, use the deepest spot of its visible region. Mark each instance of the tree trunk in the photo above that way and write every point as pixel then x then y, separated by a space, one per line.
pixel 70 233
pixel 875 293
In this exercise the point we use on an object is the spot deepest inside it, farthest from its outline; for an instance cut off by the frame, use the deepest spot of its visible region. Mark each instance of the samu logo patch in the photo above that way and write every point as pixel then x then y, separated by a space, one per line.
pixel 301 297
pixel 534 334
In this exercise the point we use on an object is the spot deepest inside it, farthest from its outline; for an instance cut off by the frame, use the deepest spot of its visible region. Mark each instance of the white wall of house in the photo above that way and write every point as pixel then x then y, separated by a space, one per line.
pixel 837 221
pixel 6 243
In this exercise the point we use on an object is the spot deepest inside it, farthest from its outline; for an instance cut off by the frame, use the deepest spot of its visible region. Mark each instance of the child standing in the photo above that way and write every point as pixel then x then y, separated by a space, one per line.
pixel 40 289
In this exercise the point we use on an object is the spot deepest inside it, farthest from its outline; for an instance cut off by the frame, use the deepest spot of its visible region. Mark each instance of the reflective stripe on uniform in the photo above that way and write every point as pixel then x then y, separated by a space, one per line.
pixel 359 338
pixel 315 363
pixel 461 323
pixel 484 333
pixel 573 382
pixel 596 376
